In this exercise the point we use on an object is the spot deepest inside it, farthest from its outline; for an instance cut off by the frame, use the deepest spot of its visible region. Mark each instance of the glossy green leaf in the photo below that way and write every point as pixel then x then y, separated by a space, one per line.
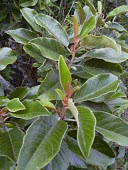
pixel 86 129
pixel 87 11
pixel 47 104
pixel 49 47
pixel 15 105
pixel 29 15
pixel 112 127
pixel 34 52
pixel 65 76
pixel 81 72
pixel 99 41
pixel 22 35
pixel 48 86
pixel 41 143
pixel 19 92
pixel 10 143
pixel 7 56
pixel 107 54
pixel 88 26
pixel 33 109
pixel 53 27
pixel 118 10
pixel 96 66
pixel 26 3
pixel 97 86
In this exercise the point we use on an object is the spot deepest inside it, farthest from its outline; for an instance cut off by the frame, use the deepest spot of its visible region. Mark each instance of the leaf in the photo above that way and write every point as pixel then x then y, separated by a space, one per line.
pixel 22 35
pixel 99 41
pixel 95 157
pixel 97 106
pixel 115 26
pixel 29 15
pixel 86 129
pixel 79 13
pixel 10 143
pixel 99 7
pixel 49 47
pixel 64 73
pixel 117 11
pixel 53 27
pixel 15 105
pixel 41 143
pixel 34 52
pixel 92 8
pixel 19 92
pixel 76 28
pixel 47 104
pixel 7 56
pixel 48 86
pixel 33 109
pixel 101 146
pixel 112 127
pixel 88 26
pixel 26 3
pixel 97 86
pixel 61 160
pixel 96 66
pixel 107 54
pixel 6 163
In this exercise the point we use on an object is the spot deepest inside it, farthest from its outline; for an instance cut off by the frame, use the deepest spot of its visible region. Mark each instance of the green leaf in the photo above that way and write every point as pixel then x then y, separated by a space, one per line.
pixel 107 54
pixel 33 109
pixel 101 146
pixel 34 52
pixel 22 35
pixel 92 8
pixel 117 11
pixel 112 127
pixel 19 92
pixel 53 27
pixel 97 86
pixel 65 76
pixel 97 106
pixel 49 47
pixel 10 143
pixel 88 26
pixel 41 143
pixel 96 66
pixel 47 88
pixel 29 15
pixel 3 10
pixel 86 129
pixel 26 3
pixel 47 104
pixel 99 41
pixel 116 26
pixel 99 7
pixel 100 160
pixel 79 14
pixel 15 105
pixel 7 56
pixel 6 163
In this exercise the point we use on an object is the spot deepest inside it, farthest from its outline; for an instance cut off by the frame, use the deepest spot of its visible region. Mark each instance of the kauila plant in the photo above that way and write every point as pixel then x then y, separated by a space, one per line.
pixel 73 118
